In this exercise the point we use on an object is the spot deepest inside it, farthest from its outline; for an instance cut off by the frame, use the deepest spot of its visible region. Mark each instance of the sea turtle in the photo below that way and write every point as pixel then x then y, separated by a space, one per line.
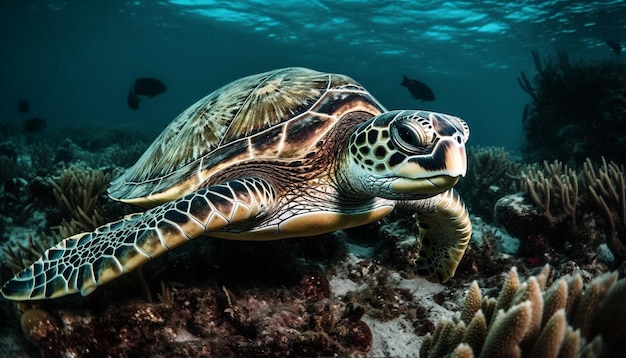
pixel 287 153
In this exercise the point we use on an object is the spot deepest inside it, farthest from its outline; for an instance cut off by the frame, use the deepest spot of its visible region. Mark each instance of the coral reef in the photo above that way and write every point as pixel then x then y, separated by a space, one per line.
pixel 220 310
pixel 578 110
pixel 606 188
pixel 203 322
pixel 218 297
pixel 491 174
pixel 79 194
pixel 568 211
pixel 19 255
pixel 534 319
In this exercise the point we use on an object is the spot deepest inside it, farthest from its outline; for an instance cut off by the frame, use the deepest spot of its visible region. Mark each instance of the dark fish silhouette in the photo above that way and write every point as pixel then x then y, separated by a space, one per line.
pixel 23 106
pixel 615 46
pixel 418 90
pixel 133 100
pixel 146 86
pixel 35 124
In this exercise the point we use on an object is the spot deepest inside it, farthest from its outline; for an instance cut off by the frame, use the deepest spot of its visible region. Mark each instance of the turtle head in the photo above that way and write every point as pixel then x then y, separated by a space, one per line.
pixel 407 154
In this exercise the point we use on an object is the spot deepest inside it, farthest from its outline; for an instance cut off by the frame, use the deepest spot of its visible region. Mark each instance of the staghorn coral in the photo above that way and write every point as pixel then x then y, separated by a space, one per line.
pixel 555 190
pixel 570 210
pixel 606 188
pixel 532 321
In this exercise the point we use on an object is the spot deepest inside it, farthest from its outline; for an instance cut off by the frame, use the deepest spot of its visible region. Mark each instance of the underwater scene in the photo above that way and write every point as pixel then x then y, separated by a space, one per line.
pixel 349 178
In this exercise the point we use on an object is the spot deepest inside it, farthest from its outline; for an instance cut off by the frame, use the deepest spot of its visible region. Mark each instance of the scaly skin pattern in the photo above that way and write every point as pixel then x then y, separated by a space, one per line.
pixel 299 153
pixel 85 261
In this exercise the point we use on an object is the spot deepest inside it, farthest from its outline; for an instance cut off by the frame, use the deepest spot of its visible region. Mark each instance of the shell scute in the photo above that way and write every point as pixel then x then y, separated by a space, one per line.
pixel 280 114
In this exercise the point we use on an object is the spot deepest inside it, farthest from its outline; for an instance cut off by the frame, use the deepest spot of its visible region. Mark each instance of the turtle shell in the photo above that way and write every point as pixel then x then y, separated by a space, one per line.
pixel 276 115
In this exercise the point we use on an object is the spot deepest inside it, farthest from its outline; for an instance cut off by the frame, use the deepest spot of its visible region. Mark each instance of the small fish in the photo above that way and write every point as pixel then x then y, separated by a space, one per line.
pixel 615 46
pixel 35 124
pixel 418 90
pixel 133 100
pixel 149 87
pixel 23 106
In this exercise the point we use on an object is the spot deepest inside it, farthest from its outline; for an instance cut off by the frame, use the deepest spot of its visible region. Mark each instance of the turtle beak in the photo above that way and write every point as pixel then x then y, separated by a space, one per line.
pixel 435 173
pixel 427 186
pixel 447 159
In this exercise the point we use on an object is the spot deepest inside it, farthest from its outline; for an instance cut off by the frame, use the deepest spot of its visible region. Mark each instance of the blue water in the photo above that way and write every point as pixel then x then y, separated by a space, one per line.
pixel 74 60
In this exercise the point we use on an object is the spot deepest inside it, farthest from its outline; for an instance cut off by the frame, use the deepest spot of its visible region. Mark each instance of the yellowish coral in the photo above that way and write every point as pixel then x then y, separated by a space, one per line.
pixel 77 191
pixel 569 196
pixel 507 330
pixel 564 320
pixel 555 190
pixel 606 188
pixel 17 256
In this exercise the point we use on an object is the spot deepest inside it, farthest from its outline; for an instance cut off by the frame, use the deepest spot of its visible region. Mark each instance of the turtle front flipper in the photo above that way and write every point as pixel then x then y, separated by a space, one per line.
pixel 444 232
pixel 85 261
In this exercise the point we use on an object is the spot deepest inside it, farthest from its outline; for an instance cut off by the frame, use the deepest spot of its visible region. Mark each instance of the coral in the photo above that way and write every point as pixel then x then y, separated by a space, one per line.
pixel 95 138
pixel 78 192
pixel 554 190
pixel 17 256
pixel 610 320
pixel 10 168
pixel 571 211
pixel 577 110
pixel 123 156
pixel 383 298
pixel 491 174
pixel 532 321
pixel 484 254
pixel 202 322
pixel 507 330
pixel 606 188
pixel 40 157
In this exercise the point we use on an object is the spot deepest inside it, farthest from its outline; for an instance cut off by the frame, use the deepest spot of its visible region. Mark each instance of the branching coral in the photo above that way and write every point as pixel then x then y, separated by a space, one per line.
pixel 554 190
pixel 606 188
pixel 17 256
pixel 576 202
pixel 528 320
pixel 78 191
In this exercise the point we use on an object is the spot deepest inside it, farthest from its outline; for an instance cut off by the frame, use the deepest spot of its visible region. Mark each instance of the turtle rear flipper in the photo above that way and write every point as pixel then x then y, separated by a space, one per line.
pixel 444 231
pixel 85 261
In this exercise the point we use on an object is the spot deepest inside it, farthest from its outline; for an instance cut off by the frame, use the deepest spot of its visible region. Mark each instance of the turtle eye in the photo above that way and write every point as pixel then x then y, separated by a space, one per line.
pixel 409 136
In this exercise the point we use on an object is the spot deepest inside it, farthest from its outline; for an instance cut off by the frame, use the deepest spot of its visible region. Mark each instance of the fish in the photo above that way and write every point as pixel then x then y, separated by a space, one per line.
pixel 615 46
pixel 147 87
pixel 133 100
pixel 23 106
pixel 35 124
pixel 418 90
